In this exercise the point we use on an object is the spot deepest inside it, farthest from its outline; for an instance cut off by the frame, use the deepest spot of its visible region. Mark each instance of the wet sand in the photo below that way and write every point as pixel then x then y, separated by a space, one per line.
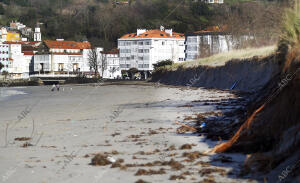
pixel 130 122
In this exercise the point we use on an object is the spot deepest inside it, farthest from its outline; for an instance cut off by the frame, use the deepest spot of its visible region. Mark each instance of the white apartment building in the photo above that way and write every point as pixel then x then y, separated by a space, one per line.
pixel 146 47
pixel 62 57
pixel 18 67
pixel 199 45
pixel 112 59
pixel 212 41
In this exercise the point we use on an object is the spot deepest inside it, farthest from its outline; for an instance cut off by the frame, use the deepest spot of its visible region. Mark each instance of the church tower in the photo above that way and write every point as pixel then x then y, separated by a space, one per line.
pixel 37 34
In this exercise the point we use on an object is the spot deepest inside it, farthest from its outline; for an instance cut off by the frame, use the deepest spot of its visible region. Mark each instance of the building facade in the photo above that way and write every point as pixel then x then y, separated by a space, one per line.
pixel 212 41
pixel 62 57
pixel 4 56
pixel 199 45
pixel 18 67
pixel 146 47
pixel 112 59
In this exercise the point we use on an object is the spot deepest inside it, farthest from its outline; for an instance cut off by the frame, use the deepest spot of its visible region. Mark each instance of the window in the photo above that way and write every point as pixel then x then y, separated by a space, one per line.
pixel 146 50
pixel 162 43
pixel 121 43
pixel 141 58
pixel 60 67
pixel 147 43
pixel 141 43
pixel 75 67
pixel 141 51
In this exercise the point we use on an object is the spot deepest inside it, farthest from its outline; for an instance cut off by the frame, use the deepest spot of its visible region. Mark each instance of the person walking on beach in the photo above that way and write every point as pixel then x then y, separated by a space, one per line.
pixel 57 87
pixel 53 87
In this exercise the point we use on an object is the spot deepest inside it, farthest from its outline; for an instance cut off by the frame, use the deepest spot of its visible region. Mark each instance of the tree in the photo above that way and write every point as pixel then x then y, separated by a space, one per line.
pixel 113 70
pixel 1 9
pixel 132 72
pixel 103 63
pixel 162 63
pixel 93 61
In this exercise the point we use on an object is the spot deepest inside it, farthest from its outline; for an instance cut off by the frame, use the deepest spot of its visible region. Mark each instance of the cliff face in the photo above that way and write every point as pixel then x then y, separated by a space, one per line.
pixel 249 75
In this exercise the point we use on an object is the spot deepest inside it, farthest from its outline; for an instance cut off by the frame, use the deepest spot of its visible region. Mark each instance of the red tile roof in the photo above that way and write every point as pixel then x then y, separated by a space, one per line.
pixel 67 44
pixel 153 34
pixel 13 42
pixel 28 53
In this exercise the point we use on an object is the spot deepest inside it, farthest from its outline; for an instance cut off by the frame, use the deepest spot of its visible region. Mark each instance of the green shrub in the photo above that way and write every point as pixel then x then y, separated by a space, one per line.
pixel 162 64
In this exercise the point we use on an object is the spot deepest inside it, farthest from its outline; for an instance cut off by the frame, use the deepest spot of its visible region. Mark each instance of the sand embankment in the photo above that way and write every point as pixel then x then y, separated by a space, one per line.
pixel 247 75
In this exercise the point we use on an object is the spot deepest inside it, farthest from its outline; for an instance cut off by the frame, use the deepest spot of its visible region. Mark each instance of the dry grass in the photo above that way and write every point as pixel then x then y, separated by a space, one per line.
pixel 222 58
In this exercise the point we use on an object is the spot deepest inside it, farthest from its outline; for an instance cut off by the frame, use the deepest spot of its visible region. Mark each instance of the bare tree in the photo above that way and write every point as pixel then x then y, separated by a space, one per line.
pixel 113 70
pixel 103 63
pixel 93 61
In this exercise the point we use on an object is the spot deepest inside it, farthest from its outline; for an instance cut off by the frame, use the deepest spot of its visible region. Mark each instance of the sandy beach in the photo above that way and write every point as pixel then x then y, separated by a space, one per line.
pixel 130 122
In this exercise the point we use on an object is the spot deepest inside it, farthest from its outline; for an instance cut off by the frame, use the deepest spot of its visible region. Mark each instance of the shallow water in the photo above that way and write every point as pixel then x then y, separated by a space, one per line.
pixel 7 93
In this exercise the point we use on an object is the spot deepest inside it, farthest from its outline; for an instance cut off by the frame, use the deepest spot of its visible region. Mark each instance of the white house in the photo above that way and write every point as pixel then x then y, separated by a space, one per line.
pixel 62 57
pixel 146 47
pixel 204 44
pixel 112 59
pixel 18 67
pixel 17 57
pixel 212 41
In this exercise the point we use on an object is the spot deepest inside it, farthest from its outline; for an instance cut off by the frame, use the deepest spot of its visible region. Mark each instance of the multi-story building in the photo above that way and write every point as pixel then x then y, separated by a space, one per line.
pixel 206 43
pixel 18 67
pixel 146 47
pixel 62 57
pixel 4 56
pixel 112 60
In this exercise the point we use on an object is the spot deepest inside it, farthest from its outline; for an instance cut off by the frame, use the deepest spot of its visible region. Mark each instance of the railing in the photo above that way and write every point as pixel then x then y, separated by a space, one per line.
pixel 53 75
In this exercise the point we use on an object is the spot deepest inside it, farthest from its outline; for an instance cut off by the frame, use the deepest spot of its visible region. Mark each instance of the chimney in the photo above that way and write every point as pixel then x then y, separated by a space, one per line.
pixel 140 31
pixel 169 31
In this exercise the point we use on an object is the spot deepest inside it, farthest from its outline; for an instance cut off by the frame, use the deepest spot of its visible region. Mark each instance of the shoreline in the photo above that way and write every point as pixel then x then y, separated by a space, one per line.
pixel 128 120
